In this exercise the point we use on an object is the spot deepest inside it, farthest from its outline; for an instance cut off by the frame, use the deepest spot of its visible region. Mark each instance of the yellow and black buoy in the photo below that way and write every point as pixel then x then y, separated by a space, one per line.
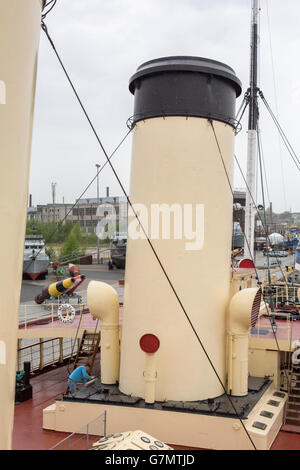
pixel 56 289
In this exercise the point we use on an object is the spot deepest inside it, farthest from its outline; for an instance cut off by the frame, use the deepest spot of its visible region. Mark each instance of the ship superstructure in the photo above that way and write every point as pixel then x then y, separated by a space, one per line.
pixel 191 355
pixel 36 261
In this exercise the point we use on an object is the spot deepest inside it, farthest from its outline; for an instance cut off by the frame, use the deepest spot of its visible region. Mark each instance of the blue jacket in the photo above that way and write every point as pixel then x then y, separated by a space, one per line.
pixel 79 374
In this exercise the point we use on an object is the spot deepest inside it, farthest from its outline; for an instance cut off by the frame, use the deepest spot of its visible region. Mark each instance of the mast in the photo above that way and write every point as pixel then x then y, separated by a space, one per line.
pixel 252 135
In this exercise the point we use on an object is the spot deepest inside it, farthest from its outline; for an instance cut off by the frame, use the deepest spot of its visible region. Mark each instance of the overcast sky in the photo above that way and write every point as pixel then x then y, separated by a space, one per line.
pixel 103 42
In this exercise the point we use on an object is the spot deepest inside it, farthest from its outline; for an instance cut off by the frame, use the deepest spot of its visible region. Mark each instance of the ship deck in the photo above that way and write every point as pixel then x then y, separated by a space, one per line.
pixel 28 431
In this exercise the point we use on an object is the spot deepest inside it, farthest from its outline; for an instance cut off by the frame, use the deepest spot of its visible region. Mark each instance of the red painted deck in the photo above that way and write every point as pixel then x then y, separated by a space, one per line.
pixel 29 434
pixel 285 330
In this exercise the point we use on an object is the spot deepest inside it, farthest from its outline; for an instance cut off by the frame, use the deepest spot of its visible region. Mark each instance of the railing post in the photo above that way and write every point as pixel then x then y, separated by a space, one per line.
pixel 52 319
pixel 53 351
pixel 19 353
pixel 61 350
pixel 41 354
pixel 105 423
pixel 31 358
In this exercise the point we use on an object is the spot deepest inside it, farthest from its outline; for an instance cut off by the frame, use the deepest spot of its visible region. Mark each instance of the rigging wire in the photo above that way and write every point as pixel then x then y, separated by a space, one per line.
pixel 246 240
pixel 83 193
pixel 46 12
pixel 270 317
pixel 264 165
pixel 264 209
pixel 73 346
pixel 44 27
pixel 282 133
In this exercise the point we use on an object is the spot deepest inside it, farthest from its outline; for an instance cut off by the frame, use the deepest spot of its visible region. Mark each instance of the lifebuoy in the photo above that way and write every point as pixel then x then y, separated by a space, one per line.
pixel 66 313
pixel 296 357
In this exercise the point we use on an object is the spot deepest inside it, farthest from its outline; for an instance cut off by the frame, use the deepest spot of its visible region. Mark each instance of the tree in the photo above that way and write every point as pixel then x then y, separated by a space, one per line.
pixel 70 245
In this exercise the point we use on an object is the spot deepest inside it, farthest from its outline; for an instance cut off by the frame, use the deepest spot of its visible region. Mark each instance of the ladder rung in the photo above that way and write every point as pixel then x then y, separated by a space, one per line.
pixel 293 419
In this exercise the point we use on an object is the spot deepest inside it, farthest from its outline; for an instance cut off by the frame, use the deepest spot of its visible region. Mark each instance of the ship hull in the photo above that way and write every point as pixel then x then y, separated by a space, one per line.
pixel 35 269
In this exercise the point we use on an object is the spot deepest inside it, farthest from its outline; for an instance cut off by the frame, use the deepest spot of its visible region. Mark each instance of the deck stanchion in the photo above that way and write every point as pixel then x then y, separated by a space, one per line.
pixel 41 354
pixel 105 423
pixel 61 350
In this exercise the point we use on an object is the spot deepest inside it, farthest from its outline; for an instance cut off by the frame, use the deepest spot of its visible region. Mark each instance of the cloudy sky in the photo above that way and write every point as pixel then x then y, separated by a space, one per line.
pixel 103 42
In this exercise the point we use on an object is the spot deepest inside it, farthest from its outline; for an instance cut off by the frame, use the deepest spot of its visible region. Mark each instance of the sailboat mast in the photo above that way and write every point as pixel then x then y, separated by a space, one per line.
pixel 252 135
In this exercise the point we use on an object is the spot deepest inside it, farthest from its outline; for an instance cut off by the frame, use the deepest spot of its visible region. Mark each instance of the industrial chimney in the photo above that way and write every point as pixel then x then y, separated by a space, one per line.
pixel 177 167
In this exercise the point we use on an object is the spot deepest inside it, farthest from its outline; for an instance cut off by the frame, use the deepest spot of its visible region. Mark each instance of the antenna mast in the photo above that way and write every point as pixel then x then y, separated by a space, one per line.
pixel 252 135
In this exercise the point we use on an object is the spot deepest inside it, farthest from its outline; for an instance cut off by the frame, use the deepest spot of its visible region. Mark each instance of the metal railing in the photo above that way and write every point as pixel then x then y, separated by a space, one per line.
pixel 44 353
pixel 82 438
pixel 282 294
pixel 283 330
pixel 36 316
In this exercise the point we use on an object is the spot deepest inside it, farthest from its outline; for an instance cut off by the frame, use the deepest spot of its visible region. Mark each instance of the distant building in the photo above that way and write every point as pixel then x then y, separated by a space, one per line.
pixel 32 213
pixel 84 211
pixel 53 212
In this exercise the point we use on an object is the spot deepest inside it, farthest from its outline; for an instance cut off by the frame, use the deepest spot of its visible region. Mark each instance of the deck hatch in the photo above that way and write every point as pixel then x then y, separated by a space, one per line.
pixel 273 403
pixel 259 425
pixel 266 414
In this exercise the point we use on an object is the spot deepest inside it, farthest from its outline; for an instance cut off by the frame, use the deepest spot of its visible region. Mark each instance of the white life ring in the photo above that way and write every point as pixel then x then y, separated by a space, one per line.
pixel 296 357
pixel 66 313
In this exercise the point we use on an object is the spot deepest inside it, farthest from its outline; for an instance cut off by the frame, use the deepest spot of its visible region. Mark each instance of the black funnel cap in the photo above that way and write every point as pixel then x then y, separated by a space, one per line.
pixel 185 86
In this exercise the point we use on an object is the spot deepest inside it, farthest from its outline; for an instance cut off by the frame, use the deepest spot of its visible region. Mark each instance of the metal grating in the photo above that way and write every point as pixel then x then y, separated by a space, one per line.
pixel 255 308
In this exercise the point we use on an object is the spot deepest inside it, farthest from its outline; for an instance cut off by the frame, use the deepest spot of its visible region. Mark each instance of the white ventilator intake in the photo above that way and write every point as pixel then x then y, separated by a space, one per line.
pixel 103 303
pixel 20 25
pixel 244 310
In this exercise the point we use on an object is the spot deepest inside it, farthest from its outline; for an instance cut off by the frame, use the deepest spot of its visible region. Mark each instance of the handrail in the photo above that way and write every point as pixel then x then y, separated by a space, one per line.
pixel 37 344
pixel 81 427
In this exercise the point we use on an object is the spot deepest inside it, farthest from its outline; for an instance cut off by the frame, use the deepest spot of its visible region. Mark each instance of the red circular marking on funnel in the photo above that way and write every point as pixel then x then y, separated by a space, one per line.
pixel 149 343
pixel 246 263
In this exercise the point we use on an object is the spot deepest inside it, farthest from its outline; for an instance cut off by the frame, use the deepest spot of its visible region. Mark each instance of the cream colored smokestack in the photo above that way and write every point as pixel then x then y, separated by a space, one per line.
pixel 103 303
pixel 20 24
pixel 243 313
pixel 177 166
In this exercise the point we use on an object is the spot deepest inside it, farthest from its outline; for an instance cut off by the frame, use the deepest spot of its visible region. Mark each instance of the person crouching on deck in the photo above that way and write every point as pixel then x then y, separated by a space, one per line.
pixel 79 375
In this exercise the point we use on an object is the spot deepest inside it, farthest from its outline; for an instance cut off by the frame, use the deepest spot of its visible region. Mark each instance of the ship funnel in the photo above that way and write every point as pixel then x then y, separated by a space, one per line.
pixel 181 193
pixel 244 310
pixel 103 303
